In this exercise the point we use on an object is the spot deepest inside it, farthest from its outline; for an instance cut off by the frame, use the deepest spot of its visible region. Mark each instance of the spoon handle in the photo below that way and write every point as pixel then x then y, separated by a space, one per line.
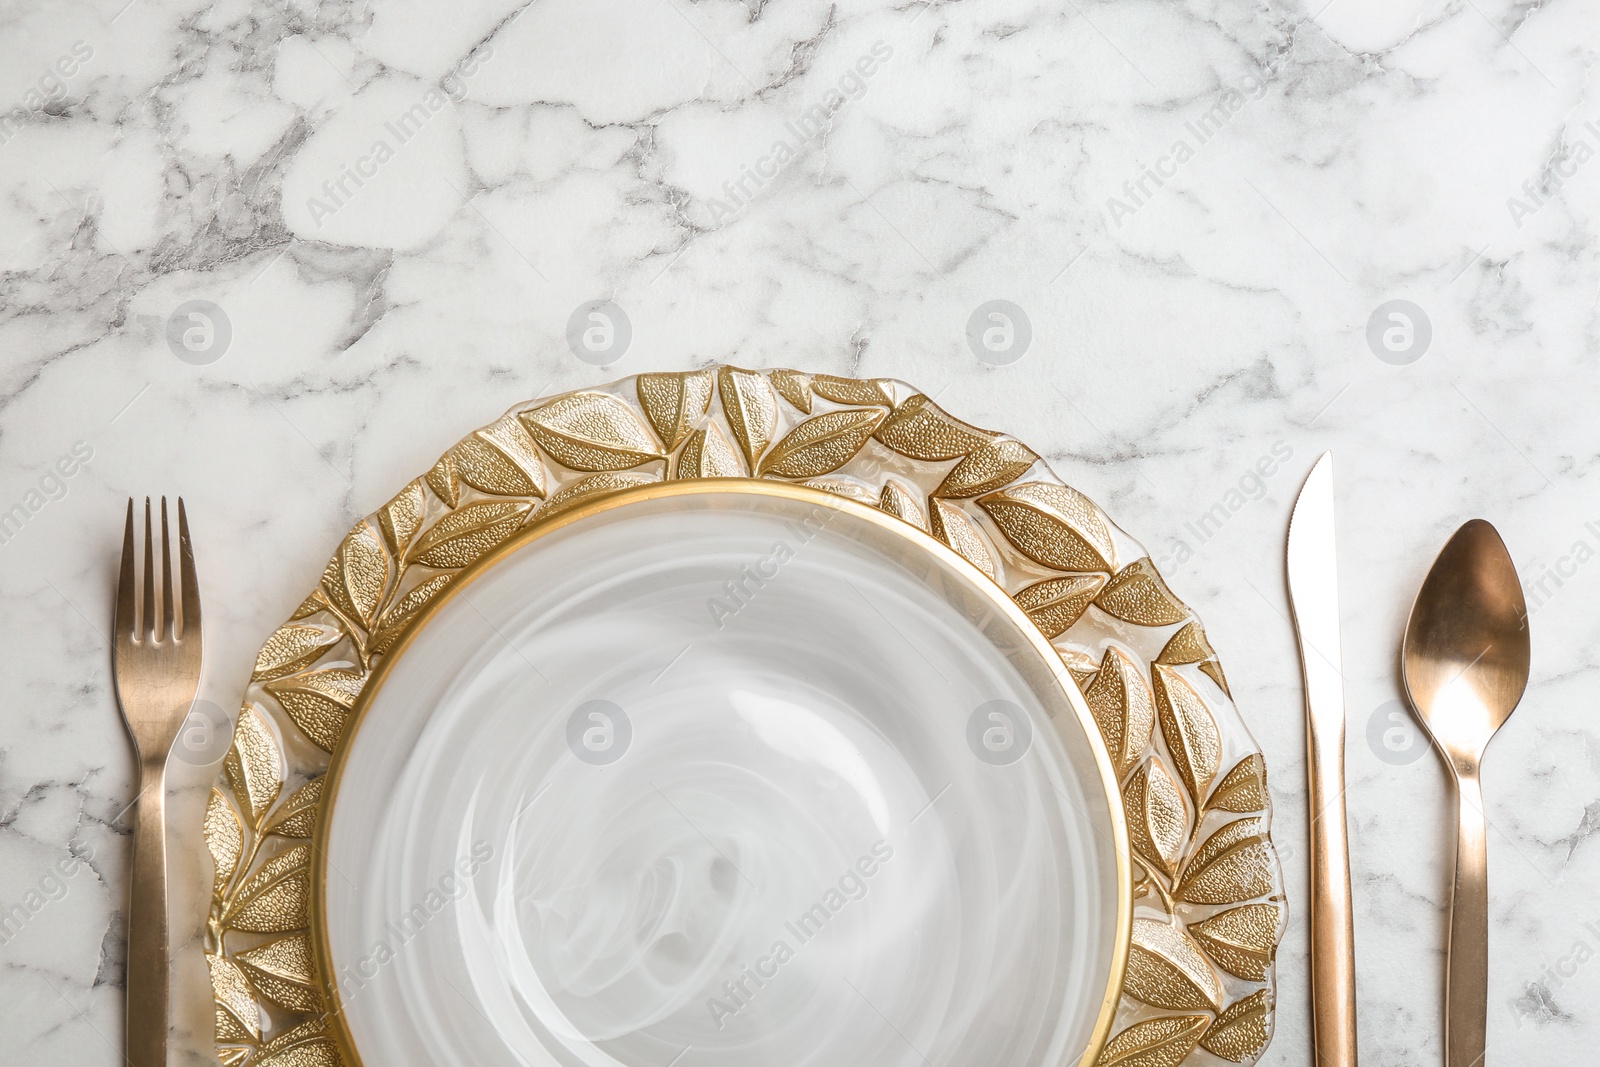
pixel 1466 991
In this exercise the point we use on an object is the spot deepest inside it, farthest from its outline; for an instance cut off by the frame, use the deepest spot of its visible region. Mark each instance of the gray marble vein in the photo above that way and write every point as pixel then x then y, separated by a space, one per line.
pixel 390 211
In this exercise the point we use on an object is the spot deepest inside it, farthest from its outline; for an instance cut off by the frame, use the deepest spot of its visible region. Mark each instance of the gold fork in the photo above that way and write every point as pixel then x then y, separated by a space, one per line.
pixel 156 663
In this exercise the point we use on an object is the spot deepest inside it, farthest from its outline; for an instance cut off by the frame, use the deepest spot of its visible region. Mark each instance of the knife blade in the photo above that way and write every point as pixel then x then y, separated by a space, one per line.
pixel 1313 571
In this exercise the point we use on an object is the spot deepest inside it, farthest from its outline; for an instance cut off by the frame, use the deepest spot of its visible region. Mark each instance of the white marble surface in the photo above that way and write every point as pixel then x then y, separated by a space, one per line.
pixel 1436 151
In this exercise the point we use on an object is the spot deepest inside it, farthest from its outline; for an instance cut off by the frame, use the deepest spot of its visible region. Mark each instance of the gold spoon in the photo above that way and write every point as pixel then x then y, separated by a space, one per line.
pixel 1465 662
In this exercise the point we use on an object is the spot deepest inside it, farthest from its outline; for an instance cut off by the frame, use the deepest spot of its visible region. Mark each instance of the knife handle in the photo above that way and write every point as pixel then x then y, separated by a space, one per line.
pixel 1333 950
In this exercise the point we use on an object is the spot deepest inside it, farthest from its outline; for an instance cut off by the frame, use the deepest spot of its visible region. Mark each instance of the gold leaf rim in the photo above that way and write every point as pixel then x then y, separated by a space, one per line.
pixel 1166 969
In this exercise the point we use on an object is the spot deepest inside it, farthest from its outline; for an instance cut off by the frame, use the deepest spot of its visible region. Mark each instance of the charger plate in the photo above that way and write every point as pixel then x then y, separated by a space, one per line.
pixel 1197 975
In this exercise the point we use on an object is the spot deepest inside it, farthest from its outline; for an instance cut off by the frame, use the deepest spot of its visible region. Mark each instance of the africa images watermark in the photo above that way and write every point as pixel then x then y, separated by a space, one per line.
pixel 53 886
pixel 398 933
pixel 1539 589
pixel 800 132
pixel 999 732
pixel 50 89
pixel 746 585
pixel 1563 165
pixel 1250 486
pixel 1137 192
pixel 51 486
pixel 1534 1003
pixel 850 886
pixel 340 189
pixel 599 732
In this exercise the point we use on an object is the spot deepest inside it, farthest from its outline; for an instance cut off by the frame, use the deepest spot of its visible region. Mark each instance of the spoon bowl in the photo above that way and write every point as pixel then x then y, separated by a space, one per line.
pixel 1466 652
pixel 1465 660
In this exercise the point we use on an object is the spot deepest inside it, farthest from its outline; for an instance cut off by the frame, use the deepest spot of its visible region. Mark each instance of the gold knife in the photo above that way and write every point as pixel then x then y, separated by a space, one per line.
pixel 1314 594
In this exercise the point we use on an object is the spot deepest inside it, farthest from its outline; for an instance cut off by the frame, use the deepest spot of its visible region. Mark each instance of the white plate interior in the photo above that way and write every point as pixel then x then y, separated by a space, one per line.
pixel 733 778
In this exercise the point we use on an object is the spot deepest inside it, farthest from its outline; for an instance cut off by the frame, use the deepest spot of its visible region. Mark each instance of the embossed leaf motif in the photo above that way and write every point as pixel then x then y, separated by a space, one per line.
pixel 402 611
pixel 708 454
pixel 292 646
pixel 1166 970
pixel 284 973
pixel 751 409
pixel 1158 820
pixel 1213 669
pixel 793 387
pixel 500 459
pixel 1242 790
pixel 1083 667
pixel 320 702
pixel 1159 1042
pixel 987 468
pixel 921 430
pixel 592 486
pixel 1190 731
pixel 1234 864
pixel 400 518
pixel 1054 525
pixel 952 526
pixel 1141 882
pixel 1242 940
pixel 355 576
pixel 1241 1031
pixel 274 899
pixel 1138 595
pixel 865 391
pixel 444 480
pixel 307 1045
pixel 899 501
pixel 464 535
pixel 1189 645
pixel 238 1014
pixel 1122 705
pixel 224 840
pixel 821 444
pixel 254 764
pixel 1056 603
pixel 297 816
pixel 591 432
pixel 672 402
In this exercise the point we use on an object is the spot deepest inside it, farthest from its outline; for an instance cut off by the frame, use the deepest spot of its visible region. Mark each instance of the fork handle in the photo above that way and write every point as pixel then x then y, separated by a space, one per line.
pixel 147 923
pixel 1466 990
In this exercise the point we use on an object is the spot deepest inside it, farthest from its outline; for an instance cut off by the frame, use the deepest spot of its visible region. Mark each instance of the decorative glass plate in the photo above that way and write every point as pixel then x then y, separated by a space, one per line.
pixel 1207 895
pixel 722 771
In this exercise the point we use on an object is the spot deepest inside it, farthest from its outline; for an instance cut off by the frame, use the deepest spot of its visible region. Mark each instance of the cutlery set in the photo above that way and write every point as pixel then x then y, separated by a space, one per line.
pixel 1465 662
pixel 1464 659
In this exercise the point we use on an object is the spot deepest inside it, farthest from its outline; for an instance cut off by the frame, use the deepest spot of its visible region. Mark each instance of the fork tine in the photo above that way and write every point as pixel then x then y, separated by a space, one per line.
pixel 169 627
pixel 189 584
pixel 125 578
pixel 147 623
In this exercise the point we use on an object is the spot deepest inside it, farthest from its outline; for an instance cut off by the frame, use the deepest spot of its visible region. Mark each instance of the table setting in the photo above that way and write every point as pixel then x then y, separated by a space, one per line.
pixel 738 533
